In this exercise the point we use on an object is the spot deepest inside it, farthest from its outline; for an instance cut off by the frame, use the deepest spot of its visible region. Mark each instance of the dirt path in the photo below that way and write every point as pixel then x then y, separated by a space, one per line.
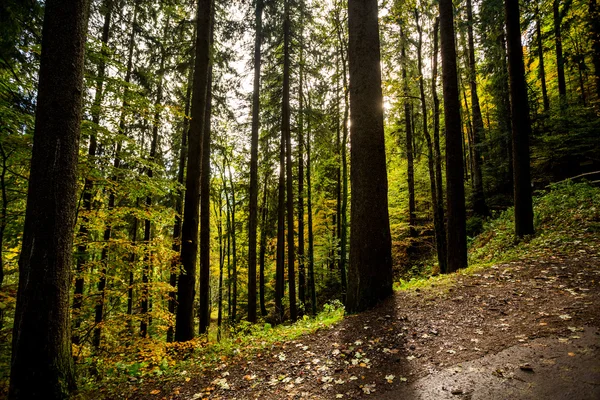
pixel 476 339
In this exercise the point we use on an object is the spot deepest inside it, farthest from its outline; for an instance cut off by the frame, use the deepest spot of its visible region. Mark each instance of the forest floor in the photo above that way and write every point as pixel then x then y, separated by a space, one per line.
pixel 526 329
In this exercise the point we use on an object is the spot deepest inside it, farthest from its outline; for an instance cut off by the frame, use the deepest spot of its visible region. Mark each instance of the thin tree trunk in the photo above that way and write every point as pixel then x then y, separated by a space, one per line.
pixel 42 363
pixel 479 205
pixel 437 223
pixel 594 22
pixel 560 61
pixel 521 125
pixel 233 248
pixel 184 322
pixel 253 208
pixel 342 49
pixel 410 173
pixel 301 257
pixel 286 132
pixel 439 207
pixel 204 295
pixel 311 258
pixel 457 237
pixel 263 247
pixel 542 71
pixel 219 215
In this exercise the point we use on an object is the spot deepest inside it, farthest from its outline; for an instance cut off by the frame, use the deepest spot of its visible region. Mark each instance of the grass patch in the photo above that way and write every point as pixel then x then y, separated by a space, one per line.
pixel 567 214
pixel 152 358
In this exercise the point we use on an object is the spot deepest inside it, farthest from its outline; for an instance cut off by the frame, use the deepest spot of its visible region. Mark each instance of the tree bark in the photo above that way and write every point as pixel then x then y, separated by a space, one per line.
pixel 439 207
pixel 42 364
pixel 479 205
pixel 253 208
pixel 457 237
pixel 179 205
pixel 594 22
pixel 560 61
pixel 263 246
pixel 521 125
pixel 184 322
pixel 204 295
pixel 370 272
pixel 542 70
pixel 285 129
pixel 410 171
pixel 311 258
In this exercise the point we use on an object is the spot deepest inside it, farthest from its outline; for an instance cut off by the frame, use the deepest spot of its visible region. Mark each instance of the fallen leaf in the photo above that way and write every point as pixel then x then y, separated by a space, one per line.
pixel 389 378
pixel 155 391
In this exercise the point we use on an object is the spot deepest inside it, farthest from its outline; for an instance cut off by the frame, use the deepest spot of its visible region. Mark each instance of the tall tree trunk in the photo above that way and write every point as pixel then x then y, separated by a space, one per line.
pixel 560 61
pixel 285 131
pixel 479 205
pixel 42 364
pixel 437 223
pixel 179 205
pixel 343 234
pixel 301 257
pixel 311 246
pixel 439 207
pixel 253 217
pixel 219 215
pixel 370 272
pixel 184 322
pixel 594 22
pixel 540 49
pixel 521 125
pixel 410 172
pixel 457 236
pixel 204 295
pixel 82 256
pixel 233 237
pixel 263 246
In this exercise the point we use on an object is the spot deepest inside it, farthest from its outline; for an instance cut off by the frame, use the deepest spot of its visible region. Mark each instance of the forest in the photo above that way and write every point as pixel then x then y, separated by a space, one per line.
pixel 192 185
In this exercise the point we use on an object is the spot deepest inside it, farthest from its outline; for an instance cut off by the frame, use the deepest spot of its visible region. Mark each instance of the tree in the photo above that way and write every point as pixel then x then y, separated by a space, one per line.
pixel 286 133
pixel 479 205
pixel 370 270
pixel 42 365
pixel 521 125
pixel 184 322
pixel 457 236
pixel 253 217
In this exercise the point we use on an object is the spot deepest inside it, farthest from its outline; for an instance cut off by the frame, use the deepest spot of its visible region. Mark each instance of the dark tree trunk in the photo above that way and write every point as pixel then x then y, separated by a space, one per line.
pixel 301 258
pixel 370 272
pixel 521 125
pixel 410 172
pixel 439 207
pixel 437 222
pixel 179 205
pixel 184 322
pixel 343 51
pixel 263 246
pixel 233 237
pixel 82 256
pixel 253 217
pixel 219 215
pixel 204 295
pixel 285 131
pixel 42 363
pixel 457 236
pixel 542 70
pixel 311 257
pixel 560 62
pixel 594 21
pixel 479 204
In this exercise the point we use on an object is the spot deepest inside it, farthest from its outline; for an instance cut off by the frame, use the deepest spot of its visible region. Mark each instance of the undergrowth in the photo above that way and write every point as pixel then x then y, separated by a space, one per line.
pixel 565 215
pixel 153 358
